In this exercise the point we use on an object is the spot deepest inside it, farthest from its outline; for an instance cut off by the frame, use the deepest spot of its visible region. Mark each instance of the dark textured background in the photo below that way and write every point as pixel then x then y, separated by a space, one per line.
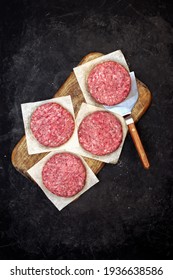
pixel 128 214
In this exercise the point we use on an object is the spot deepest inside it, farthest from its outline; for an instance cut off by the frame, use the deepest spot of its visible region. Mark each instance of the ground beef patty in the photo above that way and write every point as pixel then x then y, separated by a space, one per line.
pixel 109 83
pixel 64 174
pixel 100 133
pixel 52 125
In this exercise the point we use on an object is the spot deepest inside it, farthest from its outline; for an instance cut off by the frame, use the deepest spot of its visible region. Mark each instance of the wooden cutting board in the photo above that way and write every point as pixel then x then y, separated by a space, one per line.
pixel 20 158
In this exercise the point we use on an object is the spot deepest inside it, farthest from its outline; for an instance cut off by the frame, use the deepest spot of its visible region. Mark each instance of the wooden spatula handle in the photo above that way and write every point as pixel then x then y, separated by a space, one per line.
pixel 138 145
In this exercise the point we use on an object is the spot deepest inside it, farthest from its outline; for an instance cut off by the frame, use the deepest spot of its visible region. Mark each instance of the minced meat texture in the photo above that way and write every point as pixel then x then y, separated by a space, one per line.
pixel 64 174
pixel 109 83
pixel 52 125
pixel 100 133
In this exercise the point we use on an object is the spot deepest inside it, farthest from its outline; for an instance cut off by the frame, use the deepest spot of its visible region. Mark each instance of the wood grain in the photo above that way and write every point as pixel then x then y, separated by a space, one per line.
pixel 20 158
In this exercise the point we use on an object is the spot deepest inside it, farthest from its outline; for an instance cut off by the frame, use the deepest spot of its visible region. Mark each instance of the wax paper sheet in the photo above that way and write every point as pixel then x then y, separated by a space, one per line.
pixel 85 110
pixel 33 146
pixel 82 72
pixel 60 202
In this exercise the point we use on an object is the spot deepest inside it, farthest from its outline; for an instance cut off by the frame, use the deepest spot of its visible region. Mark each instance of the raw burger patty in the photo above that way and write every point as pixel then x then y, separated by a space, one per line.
pixel 109 83
pixel 52 125
pixel 100 133
pixel 64 174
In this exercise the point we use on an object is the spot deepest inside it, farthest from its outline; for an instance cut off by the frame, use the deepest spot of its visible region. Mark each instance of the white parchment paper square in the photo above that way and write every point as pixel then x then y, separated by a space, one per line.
pixel 33 146
pixel 85 110
pixel 82 72
pixel 60 202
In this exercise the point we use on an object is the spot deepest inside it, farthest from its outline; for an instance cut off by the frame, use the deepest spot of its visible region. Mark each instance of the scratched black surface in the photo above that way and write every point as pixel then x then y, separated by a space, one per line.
pixel 128 214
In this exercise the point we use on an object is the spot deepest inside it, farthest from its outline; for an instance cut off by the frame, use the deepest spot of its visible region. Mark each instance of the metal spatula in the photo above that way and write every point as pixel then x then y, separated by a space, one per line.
pixel 124 109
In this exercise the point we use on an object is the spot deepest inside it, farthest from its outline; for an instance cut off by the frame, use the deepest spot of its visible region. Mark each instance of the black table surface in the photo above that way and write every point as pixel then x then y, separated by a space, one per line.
pixel 129 213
